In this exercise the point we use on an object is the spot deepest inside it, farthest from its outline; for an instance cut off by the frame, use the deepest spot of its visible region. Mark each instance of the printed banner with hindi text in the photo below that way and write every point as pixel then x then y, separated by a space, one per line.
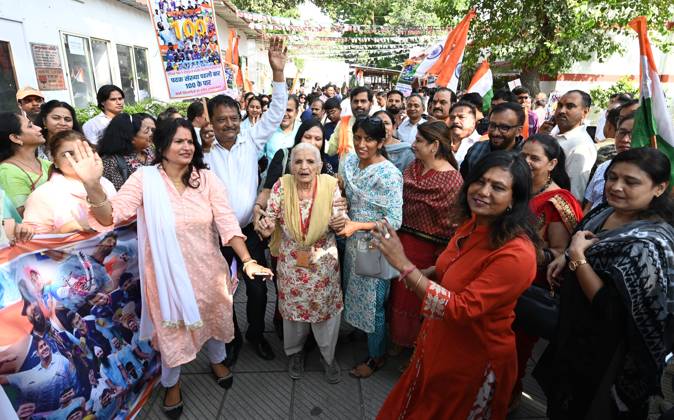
pixel 188 42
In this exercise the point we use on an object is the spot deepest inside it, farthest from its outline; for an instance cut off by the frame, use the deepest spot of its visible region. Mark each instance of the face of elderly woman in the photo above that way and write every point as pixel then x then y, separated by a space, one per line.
pixel 304 166
pixel 491 194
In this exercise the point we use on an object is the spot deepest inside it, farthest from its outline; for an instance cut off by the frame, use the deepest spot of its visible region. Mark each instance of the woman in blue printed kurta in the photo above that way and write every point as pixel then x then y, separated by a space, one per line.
pixel 373 188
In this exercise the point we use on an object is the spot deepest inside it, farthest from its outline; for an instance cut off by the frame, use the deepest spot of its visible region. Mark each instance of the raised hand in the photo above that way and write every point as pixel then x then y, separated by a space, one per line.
pixel 278 55
pixel 86 163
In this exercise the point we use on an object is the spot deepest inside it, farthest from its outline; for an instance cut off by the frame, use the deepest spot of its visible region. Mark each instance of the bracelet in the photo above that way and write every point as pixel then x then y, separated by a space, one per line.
pixel 250 261
pixel 416 283
pixel 97 205
pixel 406 272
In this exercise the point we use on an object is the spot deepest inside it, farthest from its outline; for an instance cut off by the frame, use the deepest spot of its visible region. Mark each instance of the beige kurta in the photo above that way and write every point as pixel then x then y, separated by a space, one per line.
pixel 201 215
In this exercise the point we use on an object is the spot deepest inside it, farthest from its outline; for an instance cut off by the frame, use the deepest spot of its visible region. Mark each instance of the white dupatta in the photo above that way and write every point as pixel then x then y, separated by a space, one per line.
pixel 157 226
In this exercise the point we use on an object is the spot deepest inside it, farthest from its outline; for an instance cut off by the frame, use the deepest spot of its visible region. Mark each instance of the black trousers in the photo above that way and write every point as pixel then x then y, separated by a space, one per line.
pixel 256 290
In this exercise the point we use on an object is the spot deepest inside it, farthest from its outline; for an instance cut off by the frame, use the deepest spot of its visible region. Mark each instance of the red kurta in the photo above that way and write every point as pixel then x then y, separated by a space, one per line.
pixel 465 364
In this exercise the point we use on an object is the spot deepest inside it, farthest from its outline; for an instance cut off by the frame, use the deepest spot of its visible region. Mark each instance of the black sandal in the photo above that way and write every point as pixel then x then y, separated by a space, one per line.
pixel 226 381
pixel 173 411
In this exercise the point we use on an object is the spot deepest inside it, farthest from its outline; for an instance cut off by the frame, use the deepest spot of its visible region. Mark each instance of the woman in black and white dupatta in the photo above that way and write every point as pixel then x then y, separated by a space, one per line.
pixel 617 297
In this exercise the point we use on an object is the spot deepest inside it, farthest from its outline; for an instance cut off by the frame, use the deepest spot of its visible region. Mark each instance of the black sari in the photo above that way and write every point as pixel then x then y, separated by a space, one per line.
pixel 623 335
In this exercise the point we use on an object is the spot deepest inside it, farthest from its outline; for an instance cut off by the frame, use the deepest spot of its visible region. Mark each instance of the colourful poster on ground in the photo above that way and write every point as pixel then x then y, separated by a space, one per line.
pixel 188 42
pixel 69 316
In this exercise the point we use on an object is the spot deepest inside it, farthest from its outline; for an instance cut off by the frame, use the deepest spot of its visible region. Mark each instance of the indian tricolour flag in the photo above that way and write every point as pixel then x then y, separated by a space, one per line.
pixel 652 123
pixel 483 83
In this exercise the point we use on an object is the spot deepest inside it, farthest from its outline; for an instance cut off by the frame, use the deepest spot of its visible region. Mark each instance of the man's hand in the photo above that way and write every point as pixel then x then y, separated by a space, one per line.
pixel 278 56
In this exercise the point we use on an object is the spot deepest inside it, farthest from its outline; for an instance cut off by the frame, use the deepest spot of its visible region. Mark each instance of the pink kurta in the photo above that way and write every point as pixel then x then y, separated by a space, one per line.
pixel 200 214
pixel 60 205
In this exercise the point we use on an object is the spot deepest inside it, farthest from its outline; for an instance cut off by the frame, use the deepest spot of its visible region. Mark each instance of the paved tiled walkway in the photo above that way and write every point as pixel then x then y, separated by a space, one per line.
pixel 263 390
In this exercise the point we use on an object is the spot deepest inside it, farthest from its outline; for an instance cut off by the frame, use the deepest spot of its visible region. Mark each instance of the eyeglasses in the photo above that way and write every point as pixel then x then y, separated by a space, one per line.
pixel 503 128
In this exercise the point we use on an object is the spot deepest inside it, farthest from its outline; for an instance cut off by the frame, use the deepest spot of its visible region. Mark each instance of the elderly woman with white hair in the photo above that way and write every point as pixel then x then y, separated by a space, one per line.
pixel 300 217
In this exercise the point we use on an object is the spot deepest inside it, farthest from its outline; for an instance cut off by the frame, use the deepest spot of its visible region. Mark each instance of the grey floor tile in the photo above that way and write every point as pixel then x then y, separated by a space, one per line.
pixel 376 388
pixel 249 361
pixel 258 396
pixel 315 398
pixel 202 396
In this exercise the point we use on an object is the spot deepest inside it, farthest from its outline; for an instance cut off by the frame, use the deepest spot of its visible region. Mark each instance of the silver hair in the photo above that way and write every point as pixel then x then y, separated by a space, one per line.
pixel 300 147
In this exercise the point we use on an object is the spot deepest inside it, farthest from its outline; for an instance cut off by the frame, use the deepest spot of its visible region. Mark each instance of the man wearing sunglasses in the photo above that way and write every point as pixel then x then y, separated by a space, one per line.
pixel 505 129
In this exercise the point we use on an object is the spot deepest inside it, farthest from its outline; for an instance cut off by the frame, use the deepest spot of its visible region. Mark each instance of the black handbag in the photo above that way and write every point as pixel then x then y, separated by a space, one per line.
pixel 537 312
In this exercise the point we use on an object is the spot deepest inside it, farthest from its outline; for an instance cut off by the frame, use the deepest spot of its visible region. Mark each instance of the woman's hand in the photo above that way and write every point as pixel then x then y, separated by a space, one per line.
pixel 581 241
pixel 555 270
pixel 86 163
pixel 254 269
pixel 386 239
pixel 338 222
pixel 350 227
pixel 265 226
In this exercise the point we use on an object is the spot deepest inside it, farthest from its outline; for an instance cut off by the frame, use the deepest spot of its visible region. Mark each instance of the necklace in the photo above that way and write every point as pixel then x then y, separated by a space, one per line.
pixel 546 186
pixel 30 166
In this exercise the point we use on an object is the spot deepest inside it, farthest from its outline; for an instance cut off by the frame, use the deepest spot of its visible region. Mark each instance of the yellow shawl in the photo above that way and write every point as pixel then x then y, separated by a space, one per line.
pixel 320 214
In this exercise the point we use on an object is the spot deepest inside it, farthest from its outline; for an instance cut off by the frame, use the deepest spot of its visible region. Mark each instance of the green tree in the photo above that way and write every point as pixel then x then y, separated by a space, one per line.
pixel 547 37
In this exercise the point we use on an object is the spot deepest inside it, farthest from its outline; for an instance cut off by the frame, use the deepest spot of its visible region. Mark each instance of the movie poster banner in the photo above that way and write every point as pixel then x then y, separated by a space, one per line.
pixel 189 47
pixel 69 315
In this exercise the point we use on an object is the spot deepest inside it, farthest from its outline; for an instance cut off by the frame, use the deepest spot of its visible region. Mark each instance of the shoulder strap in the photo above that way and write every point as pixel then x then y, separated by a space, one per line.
pixel 122 166
pixel 284 161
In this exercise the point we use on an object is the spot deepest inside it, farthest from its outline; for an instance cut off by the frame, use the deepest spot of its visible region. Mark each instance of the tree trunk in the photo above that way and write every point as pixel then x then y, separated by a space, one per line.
pixel 531 79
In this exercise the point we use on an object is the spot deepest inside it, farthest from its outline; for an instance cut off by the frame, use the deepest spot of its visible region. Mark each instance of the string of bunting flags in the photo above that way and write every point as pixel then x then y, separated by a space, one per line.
pixel 260 21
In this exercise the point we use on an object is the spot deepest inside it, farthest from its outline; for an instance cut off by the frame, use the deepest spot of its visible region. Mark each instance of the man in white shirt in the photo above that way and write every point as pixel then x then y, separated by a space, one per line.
pixel 233 158
pixel 110 100
pixel 580 151
pixel 407 130
pixel 462 121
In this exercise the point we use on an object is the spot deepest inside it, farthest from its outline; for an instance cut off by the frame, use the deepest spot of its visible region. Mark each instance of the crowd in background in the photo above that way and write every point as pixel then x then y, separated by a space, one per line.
pixel 425 222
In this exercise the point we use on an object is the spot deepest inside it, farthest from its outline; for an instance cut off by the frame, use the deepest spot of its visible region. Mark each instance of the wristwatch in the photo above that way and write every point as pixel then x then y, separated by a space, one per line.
pixel 573 265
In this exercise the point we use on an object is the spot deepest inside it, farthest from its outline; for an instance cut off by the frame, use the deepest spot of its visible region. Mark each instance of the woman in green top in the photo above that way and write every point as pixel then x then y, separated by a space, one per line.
pixel 20 169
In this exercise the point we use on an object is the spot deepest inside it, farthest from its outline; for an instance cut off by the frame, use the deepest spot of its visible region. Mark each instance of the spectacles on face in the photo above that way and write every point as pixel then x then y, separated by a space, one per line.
pixel 624 133
pixel 503 128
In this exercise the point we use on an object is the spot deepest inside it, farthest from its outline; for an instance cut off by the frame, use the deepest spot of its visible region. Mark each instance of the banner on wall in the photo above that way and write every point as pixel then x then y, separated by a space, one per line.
pixel 189 47
pixel 69 316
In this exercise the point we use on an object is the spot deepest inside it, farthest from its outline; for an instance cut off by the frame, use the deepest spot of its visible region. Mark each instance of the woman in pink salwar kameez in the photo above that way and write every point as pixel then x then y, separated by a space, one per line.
pixel 186 285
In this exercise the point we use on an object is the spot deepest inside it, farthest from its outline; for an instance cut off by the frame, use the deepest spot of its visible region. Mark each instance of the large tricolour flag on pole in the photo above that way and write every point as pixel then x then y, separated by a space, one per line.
pixel 483 83
pixel 652 123
pixel 448 66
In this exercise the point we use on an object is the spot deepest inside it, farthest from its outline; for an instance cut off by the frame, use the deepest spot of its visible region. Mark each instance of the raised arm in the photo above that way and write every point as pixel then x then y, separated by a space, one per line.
pixel 262 131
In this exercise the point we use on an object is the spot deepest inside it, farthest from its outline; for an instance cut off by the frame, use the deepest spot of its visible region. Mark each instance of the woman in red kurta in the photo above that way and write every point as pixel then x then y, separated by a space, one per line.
pixel 431 185
pixel 464 365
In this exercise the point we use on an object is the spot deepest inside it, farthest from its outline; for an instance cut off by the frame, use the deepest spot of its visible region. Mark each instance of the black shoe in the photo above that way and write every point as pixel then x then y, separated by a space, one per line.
pixel 233 349
pixel 263 349
pixel 173 411
pixel 225 382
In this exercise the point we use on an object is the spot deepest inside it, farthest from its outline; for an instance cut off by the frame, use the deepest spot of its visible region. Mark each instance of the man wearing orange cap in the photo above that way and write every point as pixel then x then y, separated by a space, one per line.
pixel 29 100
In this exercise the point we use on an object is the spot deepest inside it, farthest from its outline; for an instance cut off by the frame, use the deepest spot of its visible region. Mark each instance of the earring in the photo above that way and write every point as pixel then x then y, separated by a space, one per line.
pixel 509 209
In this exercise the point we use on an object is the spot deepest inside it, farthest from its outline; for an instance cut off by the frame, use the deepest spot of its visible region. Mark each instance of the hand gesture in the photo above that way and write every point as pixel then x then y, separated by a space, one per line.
pixel 546 127
pixel 25 411
pixel 278 54
pixel 86 163
pixel 265 226
pixel 386 239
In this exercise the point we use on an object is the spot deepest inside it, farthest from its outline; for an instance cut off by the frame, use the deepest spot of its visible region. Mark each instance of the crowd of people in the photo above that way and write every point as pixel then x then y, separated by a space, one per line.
pixel 421 222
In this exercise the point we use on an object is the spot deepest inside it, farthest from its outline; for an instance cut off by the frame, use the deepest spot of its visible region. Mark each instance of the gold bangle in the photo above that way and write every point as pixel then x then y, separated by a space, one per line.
pixel 416 283
pixel 97 205
pixel 248 262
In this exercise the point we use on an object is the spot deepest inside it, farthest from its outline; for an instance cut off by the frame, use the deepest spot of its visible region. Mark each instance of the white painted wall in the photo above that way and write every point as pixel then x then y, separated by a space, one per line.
pixel 43 21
